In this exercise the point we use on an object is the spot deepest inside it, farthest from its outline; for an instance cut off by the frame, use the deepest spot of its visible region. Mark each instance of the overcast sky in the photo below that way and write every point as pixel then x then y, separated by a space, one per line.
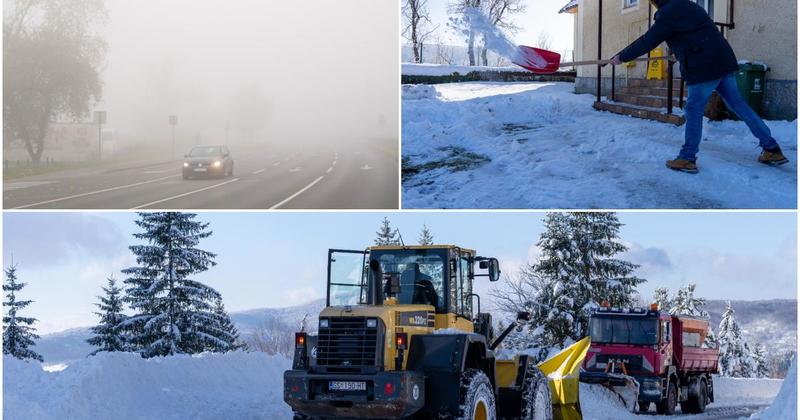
pixel 278 259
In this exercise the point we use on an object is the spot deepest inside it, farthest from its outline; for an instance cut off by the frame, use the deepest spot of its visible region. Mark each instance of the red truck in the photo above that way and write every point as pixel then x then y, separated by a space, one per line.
pixel 664 353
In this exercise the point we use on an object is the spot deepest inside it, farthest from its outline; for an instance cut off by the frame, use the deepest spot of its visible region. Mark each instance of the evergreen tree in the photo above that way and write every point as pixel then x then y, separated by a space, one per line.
pixel 733 357
pixel 425 236
pixel 595 235
pixel 685 303
pixel 109 334
pixel 226 330
pixel 386 235
pixel 18 332
pixel 173 313
pixel 661 298
pixel 761 368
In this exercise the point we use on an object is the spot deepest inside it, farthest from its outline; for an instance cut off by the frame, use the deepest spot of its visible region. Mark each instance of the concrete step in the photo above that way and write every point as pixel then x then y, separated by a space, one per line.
pixel 652 83
pixel 653 114
pixel 645 100
pixel 651 91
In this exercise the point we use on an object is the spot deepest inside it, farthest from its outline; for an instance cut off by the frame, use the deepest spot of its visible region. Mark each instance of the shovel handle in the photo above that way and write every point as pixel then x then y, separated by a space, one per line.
pixel 604 62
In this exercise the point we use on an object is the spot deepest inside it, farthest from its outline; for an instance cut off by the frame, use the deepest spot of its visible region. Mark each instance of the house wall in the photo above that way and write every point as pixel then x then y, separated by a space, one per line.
pixel 766 30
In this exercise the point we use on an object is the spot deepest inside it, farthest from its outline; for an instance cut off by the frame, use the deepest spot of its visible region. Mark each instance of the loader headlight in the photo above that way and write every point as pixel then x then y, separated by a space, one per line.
pixel 217 164
pixel 185 164
pixel 324 323
pixel 372 323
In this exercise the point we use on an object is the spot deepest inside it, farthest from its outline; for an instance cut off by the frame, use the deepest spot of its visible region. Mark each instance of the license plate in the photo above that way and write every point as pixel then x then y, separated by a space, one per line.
pixel 200 169
pixel 347 386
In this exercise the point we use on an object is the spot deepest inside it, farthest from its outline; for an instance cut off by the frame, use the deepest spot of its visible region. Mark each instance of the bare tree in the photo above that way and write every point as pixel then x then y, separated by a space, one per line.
pixel 499 13
pixel 460 7
pixel 544 40
pixel 418 27
pixel 272 337
pixel 52 57
pixel 445 54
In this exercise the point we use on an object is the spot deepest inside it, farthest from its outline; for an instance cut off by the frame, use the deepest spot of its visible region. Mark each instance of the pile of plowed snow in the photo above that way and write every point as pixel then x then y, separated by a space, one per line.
pixel 784 407
pixel 599 403
pixel 124 386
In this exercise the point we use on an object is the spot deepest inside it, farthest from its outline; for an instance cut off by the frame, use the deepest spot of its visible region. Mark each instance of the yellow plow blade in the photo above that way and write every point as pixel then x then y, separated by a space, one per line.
pixel 563 372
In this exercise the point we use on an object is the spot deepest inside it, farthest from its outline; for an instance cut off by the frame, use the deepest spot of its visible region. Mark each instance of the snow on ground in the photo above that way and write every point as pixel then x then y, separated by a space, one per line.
pixel 784 407
pixel 734 397
pixel 539 145
pixel 425 69
pixel 125 386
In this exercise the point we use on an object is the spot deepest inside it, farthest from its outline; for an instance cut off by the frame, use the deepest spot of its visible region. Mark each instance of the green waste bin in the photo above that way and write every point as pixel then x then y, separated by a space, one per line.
pixel 750 79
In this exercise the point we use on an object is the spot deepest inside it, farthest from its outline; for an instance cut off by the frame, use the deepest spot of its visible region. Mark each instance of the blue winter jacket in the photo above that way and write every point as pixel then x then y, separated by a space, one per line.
pixel 691 35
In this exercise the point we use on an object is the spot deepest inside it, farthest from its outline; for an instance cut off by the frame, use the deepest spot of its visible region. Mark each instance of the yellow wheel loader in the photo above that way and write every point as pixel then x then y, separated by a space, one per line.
pixel 400 338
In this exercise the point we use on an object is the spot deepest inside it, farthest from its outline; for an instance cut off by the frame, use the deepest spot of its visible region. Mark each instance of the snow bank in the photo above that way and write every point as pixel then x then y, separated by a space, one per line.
pixel 125 386
pixel 411 69
pixel 784 407
pixel 733 391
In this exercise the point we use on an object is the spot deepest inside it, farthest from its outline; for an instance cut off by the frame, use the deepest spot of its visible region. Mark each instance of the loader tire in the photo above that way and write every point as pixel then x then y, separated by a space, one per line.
pixel 644 406
pixel 537 403
pixel 476 397
pixel 667 406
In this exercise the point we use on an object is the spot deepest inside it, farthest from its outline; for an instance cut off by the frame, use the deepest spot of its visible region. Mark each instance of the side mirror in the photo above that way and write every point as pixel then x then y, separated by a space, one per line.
pixel 493 266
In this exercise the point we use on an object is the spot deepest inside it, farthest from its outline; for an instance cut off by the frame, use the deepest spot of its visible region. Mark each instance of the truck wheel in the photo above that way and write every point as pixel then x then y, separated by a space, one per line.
pixel 667 406
pixel 644 406
pixel 696 404
pixel 537 402
pixel 476 400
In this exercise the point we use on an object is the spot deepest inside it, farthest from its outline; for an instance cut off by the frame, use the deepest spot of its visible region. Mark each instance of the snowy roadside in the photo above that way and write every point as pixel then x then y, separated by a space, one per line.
pixel 124 386
pixel 539 145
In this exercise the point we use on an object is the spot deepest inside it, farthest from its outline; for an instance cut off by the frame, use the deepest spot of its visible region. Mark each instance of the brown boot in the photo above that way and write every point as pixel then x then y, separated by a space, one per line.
pixel 682 165
pixel 774 157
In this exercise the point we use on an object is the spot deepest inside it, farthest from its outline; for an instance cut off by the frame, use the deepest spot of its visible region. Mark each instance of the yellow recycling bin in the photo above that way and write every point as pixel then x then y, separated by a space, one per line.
pixel 563 372
pixel 656 69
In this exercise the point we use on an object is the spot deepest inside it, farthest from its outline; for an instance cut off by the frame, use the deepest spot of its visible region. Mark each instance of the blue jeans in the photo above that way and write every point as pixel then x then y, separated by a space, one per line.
pixel 696 102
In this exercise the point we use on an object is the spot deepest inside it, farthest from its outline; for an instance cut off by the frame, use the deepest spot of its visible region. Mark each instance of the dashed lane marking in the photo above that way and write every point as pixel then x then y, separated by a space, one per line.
pixel 185 194
pixel 104 190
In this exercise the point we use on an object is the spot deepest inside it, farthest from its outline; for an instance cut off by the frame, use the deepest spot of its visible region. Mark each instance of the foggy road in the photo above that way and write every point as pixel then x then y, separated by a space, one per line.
pixel 318 178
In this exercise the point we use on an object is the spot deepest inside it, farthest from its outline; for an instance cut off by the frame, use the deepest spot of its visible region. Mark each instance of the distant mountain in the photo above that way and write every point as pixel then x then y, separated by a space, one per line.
pixel 771 323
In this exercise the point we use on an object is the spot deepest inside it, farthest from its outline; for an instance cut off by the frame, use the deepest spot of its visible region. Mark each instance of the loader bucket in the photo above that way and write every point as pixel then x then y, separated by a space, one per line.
pixel 563 372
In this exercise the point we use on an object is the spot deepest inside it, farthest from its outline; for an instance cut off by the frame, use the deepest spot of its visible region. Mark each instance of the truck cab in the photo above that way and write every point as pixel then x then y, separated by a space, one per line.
pixel 666 354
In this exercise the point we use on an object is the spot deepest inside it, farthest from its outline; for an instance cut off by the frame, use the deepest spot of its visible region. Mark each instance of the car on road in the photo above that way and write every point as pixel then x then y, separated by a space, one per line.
pixel 205 161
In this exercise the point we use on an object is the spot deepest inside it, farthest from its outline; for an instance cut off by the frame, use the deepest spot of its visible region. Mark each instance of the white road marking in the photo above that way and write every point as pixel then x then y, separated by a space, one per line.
pixel 11 186
pixel 366 168
pixel 276 163
pixel 297 169
pixel 329 170
pixel 185 194
pixel 157 172
pixel 55 200
pixel 334 162
pixel 293 196
pixel 259 171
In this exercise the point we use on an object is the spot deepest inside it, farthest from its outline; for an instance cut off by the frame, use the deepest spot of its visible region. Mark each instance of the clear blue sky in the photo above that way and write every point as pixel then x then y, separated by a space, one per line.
pixel 278 259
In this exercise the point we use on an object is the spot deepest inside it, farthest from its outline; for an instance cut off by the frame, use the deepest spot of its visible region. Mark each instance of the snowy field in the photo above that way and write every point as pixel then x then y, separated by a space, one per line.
pixel 413 69
pixel 538 145
pixel 125 386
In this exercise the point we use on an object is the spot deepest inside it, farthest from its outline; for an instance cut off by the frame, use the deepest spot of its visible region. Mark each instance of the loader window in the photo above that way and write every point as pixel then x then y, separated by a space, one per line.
pixel 421 275
pixel 346 285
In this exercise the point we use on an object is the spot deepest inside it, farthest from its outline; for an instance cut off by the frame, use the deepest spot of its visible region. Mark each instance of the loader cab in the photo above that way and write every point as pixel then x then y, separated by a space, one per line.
pixel 440 276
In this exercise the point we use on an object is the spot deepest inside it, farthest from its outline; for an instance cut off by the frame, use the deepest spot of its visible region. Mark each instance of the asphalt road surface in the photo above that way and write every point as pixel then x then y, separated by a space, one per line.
pixel 314 178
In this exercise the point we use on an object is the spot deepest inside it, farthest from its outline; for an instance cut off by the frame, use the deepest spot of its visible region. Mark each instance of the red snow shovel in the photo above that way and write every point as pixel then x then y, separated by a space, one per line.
pixel 542 61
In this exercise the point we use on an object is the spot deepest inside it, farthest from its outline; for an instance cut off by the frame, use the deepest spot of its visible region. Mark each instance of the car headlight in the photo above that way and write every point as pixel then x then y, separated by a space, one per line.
pixel 324 323
pixel 217 164
pixel 185 164
pixel 372 323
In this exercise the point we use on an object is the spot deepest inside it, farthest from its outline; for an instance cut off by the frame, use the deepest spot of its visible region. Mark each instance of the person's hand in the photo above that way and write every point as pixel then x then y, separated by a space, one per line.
pixel 615 61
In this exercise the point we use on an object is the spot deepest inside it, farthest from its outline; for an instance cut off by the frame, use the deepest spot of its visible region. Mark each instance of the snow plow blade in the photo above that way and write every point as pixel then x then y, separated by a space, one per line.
pixel 562 370
pixel 624 386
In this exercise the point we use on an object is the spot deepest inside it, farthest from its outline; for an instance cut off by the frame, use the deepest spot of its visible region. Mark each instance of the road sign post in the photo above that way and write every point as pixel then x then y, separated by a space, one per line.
pixel 100 117
pixel 173 121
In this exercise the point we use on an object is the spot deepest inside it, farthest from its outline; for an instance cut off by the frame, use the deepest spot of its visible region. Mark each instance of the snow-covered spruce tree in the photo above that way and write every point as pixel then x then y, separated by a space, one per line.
pixel 172 312
pixel 109 334
pixel 661 298
pixel 425 236
pixel 761 368
pixel 732 358
pixel 18 332
pixel 386 235
pixel 225 330
pixel 595 235
pixel 685 302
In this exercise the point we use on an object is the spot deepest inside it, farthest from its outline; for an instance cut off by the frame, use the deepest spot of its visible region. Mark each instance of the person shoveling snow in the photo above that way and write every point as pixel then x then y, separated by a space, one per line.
pixel 707 63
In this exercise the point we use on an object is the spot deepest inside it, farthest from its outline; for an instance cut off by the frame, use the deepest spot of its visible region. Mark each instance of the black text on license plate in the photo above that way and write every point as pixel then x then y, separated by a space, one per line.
pixel 347 386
